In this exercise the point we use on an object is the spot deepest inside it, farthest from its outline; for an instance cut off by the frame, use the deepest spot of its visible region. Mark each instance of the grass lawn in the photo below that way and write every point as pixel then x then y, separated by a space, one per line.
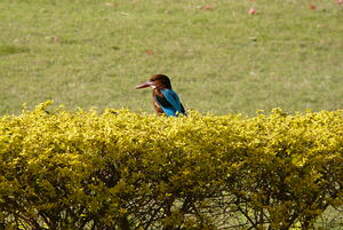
pixel 92 53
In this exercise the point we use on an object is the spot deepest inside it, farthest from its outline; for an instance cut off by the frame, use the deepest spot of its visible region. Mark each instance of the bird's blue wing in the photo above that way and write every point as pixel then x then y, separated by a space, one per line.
pixel 169 102
pixel 173 99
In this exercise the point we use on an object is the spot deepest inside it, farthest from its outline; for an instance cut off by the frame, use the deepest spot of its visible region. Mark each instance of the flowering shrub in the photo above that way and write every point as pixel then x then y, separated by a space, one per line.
pixel 123 170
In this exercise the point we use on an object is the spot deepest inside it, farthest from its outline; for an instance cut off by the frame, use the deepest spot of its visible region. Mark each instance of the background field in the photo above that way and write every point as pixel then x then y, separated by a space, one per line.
pixel 91 53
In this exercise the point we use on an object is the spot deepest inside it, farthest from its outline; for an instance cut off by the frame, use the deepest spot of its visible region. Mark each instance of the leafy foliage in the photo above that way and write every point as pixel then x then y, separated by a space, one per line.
pixel 123 170
pixel 221 59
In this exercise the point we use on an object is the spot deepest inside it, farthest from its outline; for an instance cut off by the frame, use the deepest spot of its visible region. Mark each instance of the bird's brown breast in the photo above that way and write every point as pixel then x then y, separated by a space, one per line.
pixel 157 93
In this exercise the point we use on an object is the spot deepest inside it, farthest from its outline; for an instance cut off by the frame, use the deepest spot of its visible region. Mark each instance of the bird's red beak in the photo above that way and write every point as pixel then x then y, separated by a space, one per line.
pixel 144 85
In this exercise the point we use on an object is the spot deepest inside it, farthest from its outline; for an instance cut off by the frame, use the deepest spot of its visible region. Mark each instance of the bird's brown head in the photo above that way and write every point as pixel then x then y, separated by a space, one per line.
pixel 159 81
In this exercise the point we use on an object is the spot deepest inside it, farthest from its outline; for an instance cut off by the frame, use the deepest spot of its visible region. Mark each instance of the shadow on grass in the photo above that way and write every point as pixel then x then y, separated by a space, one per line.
pixel 10 49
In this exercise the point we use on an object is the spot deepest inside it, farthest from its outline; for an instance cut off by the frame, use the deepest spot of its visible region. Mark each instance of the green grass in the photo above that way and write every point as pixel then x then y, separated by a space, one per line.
pixel 91 53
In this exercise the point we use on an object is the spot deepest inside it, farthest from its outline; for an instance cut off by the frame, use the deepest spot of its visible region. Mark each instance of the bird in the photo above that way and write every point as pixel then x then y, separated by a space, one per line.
pixel 165 99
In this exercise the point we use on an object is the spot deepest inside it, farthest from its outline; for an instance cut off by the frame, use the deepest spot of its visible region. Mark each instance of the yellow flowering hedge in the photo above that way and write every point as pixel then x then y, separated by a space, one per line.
pixel 123 170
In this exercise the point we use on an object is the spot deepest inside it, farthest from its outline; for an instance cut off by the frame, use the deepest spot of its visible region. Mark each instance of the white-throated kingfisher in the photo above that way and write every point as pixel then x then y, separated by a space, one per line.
pixel 165 100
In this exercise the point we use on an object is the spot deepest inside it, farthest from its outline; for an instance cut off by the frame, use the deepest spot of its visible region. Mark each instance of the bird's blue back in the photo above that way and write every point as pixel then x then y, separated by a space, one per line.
pixel 173 107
